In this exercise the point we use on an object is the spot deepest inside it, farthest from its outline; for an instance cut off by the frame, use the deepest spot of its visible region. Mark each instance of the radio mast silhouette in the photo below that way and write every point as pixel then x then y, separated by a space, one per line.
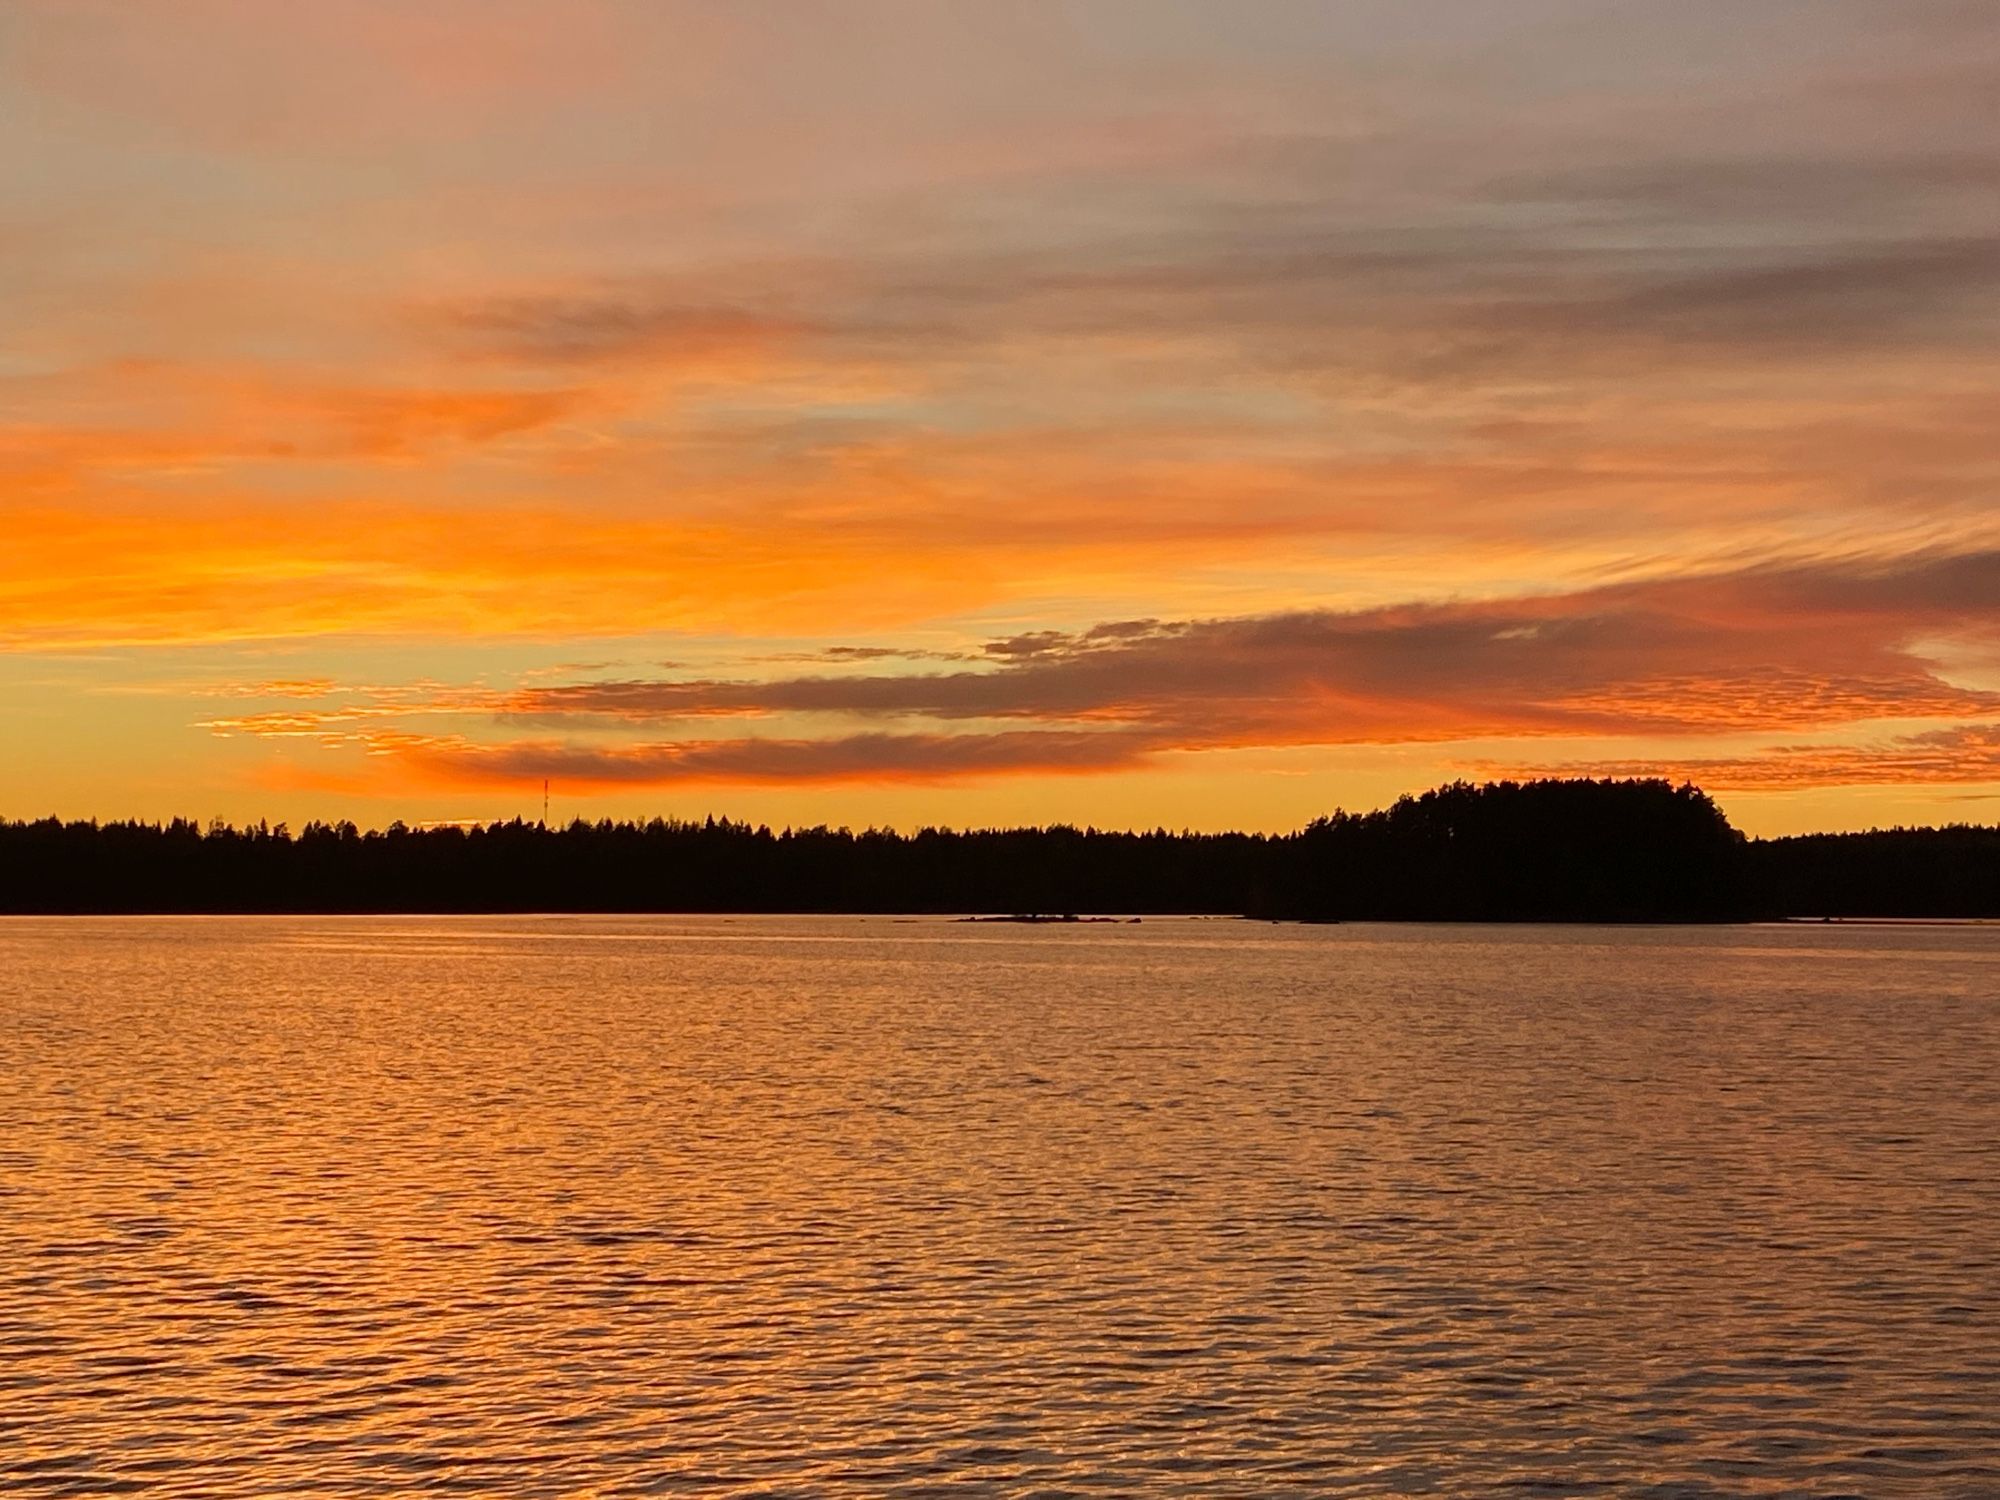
pixel 545 802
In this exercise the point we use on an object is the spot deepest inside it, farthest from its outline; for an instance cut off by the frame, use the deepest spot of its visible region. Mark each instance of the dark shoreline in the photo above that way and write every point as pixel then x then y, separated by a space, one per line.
pixel 1593 852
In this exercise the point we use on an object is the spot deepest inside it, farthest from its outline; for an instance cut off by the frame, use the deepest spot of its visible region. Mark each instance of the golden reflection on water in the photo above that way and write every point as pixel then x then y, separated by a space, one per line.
pixel 832 1206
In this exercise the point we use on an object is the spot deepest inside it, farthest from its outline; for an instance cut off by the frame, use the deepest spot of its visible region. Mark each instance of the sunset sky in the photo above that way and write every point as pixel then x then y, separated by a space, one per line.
pixel 1131 412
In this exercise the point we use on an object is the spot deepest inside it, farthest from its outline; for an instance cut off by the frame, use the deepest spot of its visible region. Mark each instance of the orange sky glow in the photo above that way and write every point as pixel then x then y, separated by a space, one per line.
pixel 1133 412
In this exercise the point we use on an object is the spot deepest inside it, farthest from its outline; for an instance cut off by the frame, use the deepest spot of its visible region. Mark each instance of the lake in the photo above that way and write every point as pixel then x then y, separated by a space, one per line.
pixel 843 1206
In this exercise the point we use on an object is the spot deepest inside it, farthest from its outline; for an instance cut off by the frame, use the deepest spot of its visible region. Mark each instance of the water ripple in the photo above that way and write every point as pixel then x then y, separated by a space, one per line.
pixel 837 1207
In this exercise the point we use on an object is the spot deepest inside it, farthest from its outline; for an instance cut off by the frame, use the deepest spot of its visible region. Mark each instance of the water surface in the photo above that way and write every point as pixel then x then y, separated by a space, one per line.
pixel 839 1207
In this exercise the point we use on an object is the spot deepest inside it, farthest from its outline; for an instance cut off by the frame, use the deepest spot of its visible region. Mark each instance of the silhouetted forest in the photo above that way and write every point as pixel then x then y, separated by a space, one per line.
pixel 1540 851
pixel 1891 872
pixel 1578 850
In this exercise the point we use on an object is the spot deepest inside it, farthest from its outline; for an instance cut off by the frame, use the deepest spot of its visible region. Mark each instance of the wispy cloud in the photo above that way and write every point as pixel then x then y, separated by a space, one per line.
pixel 1668 661
pixel 1754 649
pixel 846 759
pixel 1937 757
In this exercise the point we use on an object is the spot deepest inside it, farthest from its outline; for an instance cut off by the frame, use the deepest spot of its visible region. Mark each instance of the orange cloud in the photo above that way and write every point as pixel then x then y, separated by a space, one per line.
pixel 846 760
pixel 1754 649
pixel 1827 644
pixel 137 418
pixel 1961 754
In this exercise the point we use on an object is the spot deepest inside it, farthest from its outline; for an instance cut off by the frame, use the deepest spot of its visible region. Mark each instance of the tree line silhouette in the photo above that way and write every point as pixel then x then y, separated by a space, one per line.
pixel 1552 850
